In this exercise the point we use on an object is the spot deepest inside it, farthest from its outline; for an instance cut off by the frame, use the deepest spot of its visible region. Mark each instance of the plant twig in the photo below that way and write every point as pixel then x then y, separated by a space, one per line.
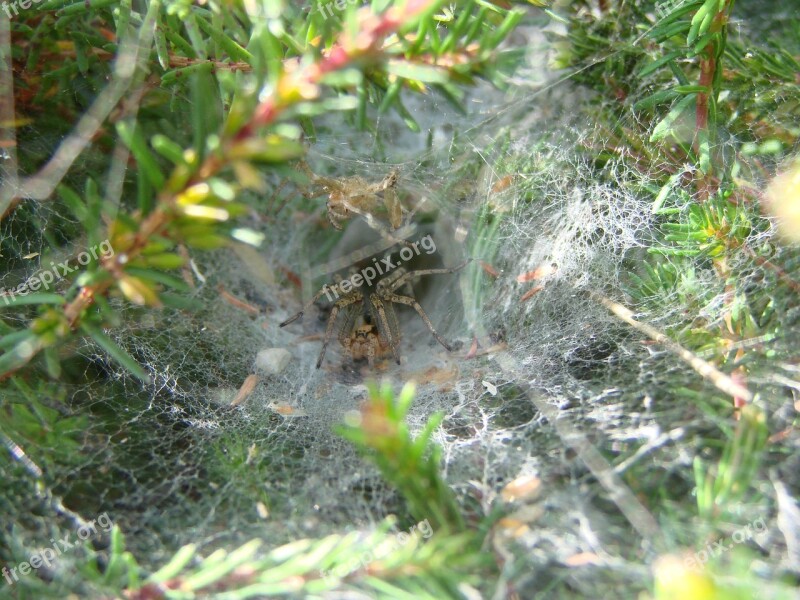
pixel 705 369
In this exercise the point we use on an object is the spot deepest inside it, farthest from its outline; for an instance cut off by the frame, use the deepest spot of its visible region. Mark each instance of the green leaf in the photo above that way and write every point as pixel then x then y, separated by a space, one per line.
pixel 162 49
pixel 176 565
pixel 12 339
pixel 21 353
pixel 454 96
pixel 168 149
pixel 74 202
pixel 159 277
pixel 691 89
pixel 701 21
pixel 657 64
pixel 392 92
pixel 663 27
pixel 345 78
pixel 206 109
pixel 209 575
pixel 704 41
pixel 131 134
pixel 511 20
pixel 53 5
pixel 343 102
pixel 417 72
pixel 144 192
pixel 115 352
pixel 52 363
pixel 20 299
pixel 654 99
pixel 85 6
pixel 80 54
pixel 459 27
pixel 234 50
pixel 664 127
pixel 410 122
pixel 267 149
pixel 180 43
pixel 116 563
pixel 664 192
pixel 166 261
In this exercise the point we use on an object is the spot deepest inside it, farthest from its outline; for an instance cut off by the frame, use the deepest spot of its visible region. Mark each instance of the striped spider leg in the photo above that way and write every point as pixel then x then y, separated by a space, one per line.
pixel 351 303
pixel 384 296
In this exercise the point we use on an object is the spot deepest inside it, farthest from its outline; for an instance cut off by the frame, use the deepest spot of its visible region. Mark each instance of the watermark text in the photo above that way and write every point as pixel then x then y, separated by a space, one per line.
pixel 696 560
pixel 421 529
pixel 58 271
pixel 48 556
pixel 379 268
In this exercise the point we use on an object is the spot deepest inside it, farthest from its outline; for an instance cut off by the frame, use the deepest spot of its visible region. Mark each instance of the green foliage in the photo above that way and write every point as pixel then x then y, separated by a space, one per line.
pixel 737 466
pixel 712 109
pixel 412 465
pixel 711 230
pixel 34 419
pixel 427 568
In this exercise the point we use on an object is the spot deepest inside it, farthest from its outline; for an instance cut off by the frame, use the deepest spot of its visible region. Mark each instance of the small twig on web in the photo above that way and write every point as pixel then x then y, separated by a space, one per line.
pixel 703 367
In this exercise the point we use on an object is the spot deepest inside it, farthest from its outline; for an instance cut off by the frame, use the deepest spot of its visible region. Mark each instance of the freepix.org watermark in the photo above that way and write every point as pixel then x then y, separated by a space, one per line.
pixel 423 529
pixel 48 556
pixel 326 10
pixel 57 272
pixel 696 560
pixel 23 4
pixel 379 268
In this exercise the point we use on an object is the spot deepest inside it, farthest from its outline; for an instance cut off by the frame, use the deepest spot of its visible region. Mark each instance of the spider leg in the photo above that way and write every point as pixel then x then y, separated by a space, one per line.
pixel 345 302
pixel 347 325
pixel 335 218
pixel 373 342
pixel 384 325
pixel 392 285
pixel 409 301
pixel 326 183
pixel 392 318
pixel 385 284
pixel 324 290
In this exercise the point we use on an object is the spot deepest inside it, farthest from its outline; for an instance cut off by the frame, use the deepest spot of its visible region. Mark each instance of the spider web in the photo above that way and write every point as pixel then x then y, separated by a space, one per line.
pixel 533 375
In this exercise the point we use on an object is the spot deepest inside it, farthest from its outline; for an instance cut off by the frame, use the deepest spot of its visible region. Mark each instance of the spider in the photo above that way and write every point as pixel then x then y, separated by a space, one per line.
pixel 365 342
pixel 374 309
pixel 354 195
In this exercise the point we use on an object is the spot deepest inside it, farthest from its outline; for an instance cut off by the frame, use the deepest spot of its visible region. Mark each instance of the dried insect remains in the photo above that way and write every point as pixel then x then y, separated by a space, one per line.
pixel 378 203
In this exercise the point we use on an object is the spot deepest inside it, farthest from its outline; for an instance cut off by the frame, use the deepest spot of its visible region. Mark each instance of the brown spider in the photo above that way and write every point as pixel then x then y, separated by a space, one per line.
pixel 354 195
pixel 365 342
pixel 361 340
